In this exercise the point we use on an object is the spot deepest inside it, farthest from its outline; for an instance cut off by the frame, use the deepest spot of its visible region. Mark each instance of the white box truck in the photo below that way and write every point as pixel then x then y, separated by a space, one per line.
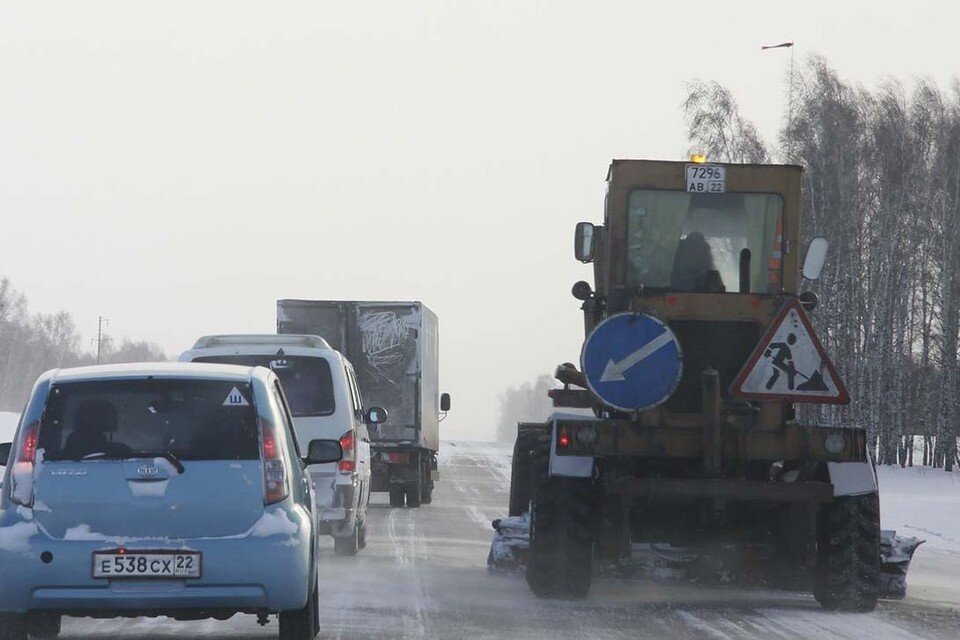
pixel 394 349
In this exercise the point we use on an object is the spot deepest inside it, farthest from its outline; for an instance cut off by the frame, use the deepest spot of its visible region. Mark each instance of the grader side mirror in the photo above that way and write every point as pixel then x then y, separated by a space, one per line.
pixel 809 300
pixel 813 261
pixel 583 242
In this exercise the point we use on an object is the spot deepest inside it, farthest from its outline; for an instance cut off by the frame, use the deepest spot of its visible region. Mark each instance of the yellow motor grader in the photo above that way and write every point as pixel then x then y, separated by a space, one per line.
pixel 698 349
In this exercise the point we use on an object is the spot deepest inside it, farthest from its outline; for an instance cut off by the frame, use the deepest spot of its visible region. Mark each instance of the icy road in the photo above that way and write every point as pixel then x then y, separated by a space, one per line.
pixel 424 575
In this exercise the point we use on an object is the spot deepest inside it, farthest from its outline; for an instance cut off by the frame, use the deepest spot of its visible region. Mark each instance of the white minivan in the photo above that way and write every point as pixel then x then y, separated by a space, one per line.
pixel 321 390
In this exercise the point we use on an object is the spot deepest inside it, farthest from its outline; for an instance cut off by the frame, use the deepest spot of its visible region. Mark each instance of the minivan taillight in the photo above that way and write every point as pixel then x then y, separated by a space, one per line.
pixel 275 486
pixel 348 442
pixel 21 477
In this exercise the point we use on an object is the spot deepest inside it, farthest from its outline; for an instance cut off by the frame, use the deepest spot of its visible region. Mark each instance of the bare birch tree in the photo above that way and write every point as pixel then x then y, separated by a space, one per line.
pixel 882 183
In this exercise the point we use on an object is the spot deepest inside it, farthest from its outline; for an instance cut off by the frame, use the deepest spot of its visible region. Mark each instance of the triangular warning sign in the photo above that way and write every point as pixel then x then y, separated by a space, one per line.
pixel 235 399
pixel 789 363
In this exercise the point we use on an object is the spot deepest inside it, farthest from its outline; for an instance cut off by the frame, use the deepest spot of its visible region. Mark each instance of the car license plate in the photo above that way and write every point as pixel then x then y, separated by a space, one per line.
pixel 146 564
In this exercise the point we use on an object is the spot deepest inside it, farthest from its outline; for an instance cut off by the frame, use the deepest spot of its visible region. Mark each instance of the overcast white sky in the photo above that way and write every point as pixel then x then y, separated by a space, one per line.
pixel 178 166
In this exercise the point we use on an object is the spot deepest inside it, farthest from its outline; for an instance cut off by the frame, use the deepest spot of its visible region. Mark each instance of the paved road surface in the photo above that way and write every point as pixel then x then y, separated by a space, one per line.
pixel 424 575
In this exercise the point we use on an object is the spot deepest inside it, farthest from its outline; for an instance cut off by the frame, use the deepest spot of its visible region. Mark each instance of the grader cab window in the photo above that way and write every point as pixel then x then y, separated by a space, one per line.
pixel 695 242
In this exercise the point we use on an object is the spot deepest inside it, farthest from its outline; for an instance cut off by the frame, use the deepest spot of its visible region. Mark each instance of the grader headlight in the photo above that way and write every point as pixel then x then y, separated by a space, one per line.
pixel 834 443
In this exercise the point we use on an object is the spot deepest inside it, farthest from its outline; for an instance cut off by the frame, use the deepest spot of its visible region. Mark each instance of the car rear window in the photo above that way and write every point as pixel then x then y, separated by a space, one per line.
pixel 192 419
pixel 307 381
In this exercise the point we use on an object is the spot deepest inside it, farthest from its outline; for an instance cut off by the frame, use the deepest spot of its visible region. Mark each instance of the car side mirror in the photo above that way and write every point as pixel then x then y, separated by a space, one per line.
pixel 5 453
pixel 444 402
pixel 583 242
pixel 376 415
pixel 321 451
pixel 816 255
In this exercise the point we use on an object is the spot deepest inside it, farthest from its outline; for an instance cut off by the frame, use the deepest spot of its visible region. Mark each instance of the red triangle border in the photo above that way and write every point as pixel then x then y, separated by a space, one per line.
pixel 736 387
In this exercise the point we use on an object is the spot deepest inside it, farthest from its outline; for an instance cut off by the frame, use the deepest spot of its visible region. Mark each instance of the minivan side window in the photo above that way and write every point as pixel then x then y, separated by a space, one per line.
pixel 281 401
pixel 354 394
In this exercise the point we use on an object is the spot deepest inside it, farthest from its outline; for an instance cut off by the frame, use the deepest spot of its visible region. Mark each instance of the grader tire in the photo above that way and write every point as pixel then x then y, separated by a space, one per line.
pixel 561 533
pixel 848 554
pixel 523 471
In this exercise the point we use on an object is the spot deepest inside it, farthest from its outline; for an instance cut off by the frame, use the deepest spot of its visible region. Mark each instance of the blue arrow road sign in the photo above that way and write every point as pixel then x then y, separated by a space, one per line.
pixel 632 361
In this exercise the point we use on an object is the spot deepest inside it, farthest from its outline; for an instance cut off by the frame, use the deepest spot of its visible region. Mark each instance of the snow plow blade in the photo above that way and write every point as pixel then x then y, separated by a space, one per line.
pixel 511 542
pixel 895 556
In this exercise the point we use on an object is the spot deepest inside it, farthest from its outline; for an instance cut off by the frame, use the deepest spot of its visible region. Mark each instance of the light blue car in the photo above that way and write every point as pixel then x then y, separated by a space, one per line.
pixel 158 489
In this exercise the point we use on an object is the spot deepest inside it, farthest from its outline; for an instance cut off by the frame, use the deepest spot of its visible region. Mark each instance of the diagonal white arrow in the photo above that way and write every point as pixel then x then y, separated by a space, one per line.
pixel 614 371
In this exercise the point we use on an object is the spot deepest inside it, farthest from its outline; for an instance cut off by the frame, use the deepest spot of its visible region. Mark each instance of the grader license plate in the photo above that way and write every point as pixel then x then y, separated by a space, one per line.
pixel 706 178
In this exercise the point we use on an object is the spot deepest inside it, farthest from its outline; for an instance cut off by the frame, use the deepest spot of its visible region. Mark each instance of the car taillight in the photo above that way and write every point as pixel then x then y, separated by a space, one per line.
pixel 21 478
pixel 274 473
pixel 348 442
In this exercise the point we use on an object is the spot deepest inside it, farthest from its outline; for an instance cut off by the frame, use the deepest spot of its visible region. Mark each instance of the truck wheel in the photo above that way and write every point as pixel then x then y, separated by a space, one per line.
pixel 561 533
pixel 13 626
pixel 302 624
pixel 414 493
pixel 396 496
pixel 348 545
pixel 522 471
pixel 848 554
pixel 426 495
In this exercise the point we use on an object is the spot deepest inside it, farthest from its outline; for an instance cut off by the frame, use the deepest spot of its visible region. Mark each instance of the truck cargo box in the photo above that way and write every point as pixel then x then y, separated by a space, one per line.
pixel 394 348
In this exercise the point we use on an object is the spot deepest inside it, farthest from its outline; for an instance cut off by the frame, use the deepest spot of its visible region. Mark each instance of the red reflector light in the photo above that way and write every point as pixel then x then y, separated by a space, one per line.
pixel 396 457
pixel 564 440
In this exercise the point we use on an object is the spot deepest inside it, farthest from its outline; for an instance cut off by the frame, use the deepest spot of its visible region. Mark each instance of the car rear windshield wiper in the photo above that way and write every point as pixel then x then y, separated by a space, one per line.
pixel 172 459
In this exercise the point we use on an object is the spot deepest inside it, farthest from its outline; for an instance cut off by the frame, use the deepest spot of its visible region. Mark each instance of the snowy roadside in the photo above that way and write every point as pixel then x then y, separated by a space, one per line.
pixel 925 503
pixel 922 502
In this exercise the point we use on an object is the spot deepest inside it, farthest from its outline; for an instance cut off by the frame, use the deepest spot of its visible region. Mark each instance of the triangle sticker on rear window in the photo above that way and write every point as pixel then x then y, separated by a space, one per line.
pixel 235 399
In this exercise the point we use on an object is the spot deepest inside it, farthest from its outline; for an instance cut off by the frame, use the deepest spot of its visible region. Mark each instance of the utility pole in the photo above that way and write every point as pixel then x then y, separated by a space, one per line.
pixel 101 321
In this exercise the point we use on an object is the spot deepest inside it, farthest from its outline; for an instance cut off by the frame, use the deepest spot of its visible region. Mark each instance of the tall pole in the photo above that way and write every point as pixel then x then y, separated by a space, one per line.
pixel 786 45
pixel 100 321
pixel 790 97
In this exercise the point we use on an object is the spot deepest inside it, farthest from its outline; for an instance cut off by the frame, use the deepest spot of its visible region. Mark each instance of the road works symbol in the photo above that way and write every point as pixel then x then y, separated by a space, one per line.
pixel 789 363
pixel 631 361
